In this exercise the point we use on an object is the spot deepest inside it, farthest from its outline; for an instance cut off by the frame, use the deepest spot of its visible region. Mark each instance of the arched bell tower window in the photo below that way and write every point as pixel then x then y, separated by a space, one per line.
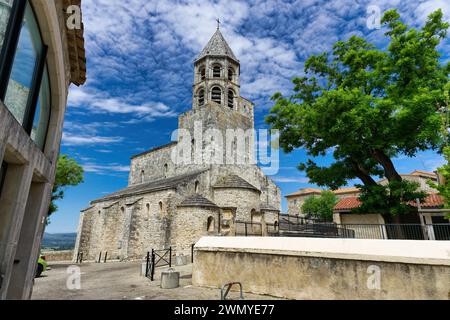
pixel 216 71
pixel 230 74
pixel 202 73
pixel 230 99
pixel 201 97
pixel 216 95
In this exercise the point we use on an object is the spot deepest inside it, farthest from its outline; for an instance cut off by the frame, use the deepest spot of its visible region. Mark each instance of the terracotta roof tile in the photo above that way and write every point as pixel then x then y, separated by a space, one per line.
pixel 348 203
pixel 431 201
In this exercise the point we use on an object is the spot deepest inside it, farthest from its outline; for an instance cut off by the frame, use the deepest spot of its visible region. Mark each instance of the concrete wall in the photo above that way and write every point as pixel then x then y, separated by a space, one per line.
pixel 305 268
pixel 26 194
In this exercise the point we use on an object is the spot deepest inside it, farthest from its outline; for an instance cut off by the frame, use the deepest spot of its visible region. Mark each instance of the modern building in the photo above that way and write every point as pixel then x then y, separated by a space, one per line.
pixel 40 57
pixel 174 197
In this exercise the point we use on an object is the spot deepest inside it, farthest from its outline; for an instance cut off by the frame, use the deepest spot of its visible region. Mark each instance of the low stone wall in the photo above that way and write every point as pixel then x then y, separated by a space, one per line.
pixel 308 268
pixel 53 256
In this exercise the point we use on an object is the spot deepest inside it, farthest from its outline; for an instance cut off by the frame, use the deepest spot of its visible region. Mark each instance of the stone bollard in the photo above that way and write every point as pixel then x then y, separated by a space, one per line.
pixel 170 279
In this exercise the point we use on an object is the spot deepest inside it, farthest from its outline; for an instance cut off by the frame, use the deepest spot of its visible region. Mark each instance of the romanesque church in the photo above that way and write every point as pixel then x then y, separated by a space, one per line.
pixel 169 202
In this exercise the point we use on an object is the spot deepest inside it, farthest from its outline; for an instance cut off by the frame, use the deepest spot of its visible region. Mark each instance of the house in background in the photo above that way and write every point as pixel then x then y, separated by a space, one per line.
pixel 348 200
pixel 297 199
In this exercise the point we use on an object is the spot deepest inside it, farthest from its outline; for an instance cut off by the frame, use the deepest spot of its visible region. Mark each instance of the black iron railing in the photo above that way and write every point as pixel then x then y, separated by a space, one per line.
pixel 157 258
pixel 368 231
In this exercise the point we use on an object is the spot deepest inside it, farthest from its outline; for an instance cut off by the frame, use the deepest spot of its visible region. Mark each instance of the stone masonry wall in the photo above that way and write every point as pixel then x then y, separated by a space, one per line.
pixel 190 224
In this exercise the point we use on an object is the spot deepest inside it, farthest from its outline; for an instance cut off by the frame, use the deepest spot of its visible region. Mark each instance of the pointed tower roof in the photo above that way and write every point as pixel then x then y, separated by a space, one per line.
pixel 217 46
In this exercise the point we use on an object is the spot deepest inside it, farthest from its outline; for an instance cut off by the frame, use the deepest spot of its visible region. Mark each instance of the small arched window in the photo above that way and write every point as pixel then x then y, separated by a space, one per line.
pixel 201 97
pixel 230 99
pixel 193 150
pixel 210 224
pixel 160 208
pixel 142 176
pixel 216 71
pixel 230 74
pixel 202 73
pixel 166 169
pixel 197 184
pixel 216 95
pixel 148 208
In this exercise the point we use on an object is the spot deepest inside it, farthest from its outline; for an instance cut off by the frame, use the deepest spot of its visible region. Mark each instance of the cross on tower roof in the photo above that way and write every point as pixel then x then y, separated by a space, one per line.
pixel 218 23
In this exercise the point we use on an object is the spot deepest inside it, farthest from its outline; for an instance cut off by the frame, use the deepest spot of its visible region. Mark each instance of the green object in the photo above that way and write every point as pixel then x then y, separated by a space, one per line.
pixel 320 207
pixel 444 186
pixel 68 173
pixel 42 266
pixel 366 106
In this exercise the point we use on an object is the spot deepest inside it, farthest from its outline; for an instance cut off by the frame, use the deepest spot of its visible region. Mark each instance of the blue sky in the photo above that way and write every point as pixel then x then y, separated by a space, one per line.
pixel 140 71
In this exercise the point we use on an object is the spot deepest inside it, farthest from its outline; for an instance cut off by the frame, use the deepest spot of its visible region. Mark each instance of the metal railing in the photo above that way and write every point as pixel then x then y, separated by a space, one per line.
pixel 368 231
pixel 291 219
pixel 157 258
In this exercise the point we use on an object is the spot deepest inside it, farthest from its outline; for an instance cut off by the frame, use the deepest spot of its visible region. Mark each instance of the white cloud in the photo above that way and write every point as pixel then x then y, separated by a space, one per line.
pixel 291 179
pixel 84 140
pixel 100 102
pixel 105 168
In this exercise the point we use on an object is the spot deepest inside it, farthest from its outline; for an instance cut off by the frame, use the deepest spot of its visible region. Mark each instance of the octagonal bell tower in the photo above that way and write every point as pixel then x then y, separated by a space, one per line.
pixel 217 75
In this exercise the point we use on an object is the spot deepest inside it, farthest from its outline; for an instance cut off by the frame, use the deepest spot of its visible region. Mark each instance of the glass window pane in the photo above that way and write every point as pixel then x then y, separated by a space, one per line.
pixel 29 47
pixel 42 115
pixel 5 10
pixel 2 176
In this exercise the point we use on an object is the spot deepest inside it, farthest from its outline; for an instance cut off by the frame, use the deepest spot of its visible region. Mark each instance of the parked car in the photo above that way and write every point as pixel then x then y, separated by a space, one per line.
pixel 42 266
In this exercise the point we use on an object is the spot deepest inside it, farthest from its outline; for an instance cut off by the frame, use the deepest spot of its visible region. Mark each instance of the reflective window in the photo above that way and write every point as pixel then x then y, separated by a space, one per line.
pixel 5 11
pixel 42 114
pixel 2 176
pixel 25 60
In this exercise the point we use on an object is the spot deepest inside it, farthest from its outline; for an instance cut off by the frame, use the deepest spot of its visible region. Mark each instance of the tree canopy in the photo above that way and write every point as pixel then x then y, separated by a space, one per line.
pixel 68 173
pixel 320 207
pixel 365 106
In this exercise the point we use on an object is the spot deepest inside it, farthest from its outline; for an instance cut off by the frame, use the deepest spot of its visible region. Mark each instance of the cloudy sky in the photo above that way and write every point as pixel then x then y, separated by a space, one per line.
pixel 140 71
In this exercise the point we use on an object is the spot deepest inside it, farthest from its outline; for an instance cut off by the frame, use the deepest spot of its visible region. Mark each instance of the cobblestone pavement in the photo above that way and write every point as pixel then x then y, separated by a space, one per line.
pixel 121 281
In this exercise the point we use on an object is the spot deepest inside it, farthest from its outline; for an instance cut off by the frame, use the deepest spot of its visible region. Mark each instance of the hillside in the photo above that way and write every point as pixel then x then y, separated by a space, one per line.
pixel 59 241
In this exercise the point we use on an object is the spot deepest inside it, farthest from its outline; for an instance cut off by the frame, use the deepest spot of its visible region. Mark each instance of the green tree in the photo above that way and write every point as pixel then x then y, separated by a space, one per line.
pixel 68 173
pixel 320 207
pixel 366 106
pixel 444 187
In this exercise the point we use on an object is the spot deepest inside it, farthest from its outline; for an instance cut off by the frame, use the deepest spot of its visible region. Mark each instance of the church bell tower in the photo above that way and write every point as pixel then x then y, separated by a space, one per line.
pixel 217 75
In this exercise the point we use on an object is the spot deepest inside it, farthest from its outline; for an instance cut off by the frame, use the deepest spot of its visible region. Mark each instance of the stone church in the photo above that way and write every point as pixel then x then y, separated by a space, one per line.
pixel 172 201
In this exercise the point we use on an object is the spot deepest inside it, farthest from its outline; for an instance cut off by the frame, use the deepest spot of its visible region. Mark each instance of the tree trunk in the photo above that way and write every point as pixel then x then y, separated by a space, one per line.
pixel 362 174
pixel 389 169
